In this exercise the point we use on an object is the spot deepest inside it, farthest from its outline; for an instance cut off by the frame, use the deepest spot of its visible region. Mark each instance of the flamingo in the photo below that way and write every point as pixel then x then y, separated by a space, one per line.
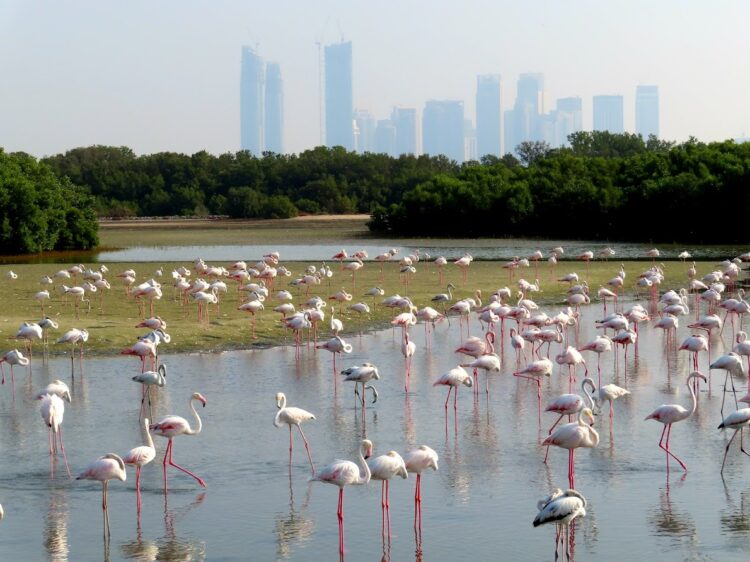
pixel 58 388
pixel 574 435
pixel 572 358
pixel 444 298
pixel 694 344
pixel 148 379
pixel 252 307
pixel 625 338
pixel 534 371
pixel 106 468
pixel 335 345
pixel 463 263
pixel 608 393
pixel 453 379
pixel 153 323
pixel 517 343
pixel 417 461
pixel 599 345
pixel 383 468
pixel 29 331
pixel 565 405
pixel 738 421
pixel 408 348
pixel 363 374
pixel 561 508
pixel 672 413
pixel 487 362
pixel 293 416
pixel 342 473
pixel 732 363
pixel 12 358
pixel 337 326
pixel 75 337
pixel 142 349
pixel 52 410
pixel 140 456
pixel 172 426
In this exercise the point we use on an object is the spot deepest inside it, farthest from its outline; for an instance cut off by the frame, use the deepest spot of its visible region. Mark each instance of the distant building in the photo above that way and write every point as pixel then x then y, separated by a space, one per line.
pixel 385 137
pixel 251 101
pixel 338 95
pixel 523 122
pixel 608 114
pixel 568 119
pixel 488 115
pixel 404 119
pixel 647 111
pixel 274 110
pixel 470 141
pixel 443 129
pixel 365 124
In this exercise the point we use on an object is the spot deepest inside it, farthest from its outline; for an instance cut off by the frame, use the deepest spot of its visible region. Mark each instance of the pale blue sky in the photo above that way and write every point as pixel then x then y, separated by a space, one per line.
pixel 164 75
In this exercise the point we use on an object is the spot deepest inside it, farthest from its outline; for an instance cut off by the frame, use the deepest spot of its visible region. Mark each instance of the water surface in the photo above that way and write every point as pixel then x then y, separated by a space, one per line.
pixel 479 505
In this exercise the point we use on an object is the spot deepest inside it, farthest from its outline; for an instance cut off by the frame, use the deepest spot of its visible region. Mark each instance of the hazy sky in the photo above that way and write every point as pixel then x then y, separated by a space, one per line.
pixel 160 75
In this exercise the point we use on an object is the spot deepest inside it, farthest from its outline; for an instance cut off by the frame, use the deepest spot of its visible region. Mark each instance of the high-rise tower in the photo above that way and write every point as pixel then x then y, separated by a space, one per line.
pixel 647 111
pixel 443 129
pixel 251 101
pixel 488 115
pixel 608 114
pixel 274 109
pixel 338 95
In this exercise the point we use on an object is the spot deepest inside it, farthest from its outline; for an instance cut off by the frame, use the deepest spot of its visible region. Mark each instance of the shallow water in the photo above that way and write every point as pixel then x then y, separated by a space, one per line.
pixel 480 503
pixel 482 248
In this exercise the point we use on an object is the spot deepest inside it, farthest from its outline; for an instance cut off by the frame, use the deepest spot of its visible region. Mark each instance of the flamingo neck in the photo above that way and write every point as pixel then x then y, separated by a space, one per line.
pixel 363 479
pixel 692 395
pixel 198 423
pixel 588 382
pixel 281 404
pixel 149 439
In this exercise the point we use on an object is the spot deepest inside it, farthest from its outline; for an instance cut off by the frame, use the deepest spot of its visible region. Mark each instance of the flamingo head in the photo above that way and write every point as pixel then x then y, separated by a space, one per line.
pixel 198 396
pixel 279 398
pixel 366 448
pixel 587 415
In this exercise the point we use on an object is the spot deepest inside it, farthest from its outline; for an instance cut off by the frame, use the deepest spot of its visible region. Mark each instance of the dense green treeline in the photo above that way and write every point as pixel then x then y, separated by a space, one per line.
pixel 605 186
pixel 320 180
pixel 39 211
pixel 612 187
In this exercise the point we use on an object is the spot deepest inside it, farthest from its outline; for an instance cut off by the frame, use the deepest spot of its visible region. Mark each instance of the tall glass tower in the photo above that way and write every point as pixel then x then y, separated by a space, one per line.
pixel 338 95
pixel 274 109
pixel 608 114
pixel 488 115
pixel 251 101
pixel 647 111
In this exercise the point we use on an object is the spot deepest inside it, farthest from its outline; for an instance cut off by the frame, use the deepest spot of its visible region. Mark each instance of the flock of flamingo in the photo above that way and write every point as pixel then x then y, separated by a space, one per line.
pixel 532 336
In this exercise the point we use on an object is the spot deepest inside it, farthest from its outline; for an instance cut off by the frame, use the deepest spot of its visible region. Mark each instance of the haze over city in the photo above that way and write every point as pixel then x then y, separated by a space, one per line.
pixel 165 76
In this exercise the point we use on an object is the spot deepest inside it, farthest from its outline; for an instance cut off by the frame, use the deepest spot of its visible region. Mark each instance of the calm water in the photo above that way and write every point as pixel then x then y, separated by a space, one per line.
pixel 480 503
pixel 483 248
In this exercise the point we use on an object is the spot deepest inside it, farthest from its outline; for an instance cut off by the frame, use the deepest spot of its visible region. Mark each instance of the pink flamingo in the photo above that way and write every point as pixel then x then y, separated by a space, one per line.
pixel 574 435
pixel 599 345
pixel 625 338
pixel 383 468
pixel 408 348
pixel 694 344
pixel 417 461
pixel 673 413
pixel 252 307
pixel 12 358
pixel 335 345
pixel 607 393
pixel 139 457
pixel 344 473
pixel 565 405
pixel 52 410
pixel 106 468
pixel 572 358
pixel 534 371
pixel 732 364
pixel 738 421
pixel 172 426
pixel 293 416
pixel 453 379
pixel 561 508
pixel 142 349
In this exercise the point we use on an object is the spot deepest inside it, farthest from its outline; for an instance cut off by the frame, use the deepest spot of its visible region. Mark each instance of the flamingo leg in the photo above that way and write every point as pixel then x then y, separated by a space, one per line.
pixel 340 514
pixel 726 450
pixel 307 448
pixel 62 448
pixel 164 463
pixel 290 448
pixel 138 487
pixel 186 471
pixel 546 454
pixel 670 453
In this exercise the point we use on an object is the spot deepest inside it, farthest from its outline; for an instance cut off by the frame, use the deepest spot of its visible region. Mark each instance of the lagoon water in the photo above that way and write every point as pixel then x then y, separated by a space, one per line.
pixel 478 506
pixel 482 248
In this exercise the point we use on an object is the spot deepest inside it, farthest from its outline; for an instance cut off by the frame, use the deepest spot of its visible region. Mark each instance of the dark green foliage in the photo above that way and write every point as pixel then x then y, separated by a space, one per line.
pixel 39 212
pixel 604 186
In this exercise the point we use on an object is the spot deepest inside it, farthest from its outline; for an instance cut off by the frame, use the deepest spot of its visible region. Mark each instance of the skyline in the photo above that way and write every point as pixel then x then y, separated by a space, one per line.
pixel 166 77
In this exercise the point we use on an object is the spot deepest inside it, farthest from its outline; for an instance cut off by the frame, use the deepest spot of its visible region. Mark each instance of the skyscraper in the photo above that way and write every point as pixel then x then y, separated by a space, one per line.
pixel 488 115
pixel 523 122
pixel 251 101
pixel 647 111
pixel 443 129
pixel 365 125
pixel 568 119
pixel 274 105
pixel 405 121
pixel 338 95
pixel 385 137
pixel 608 114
